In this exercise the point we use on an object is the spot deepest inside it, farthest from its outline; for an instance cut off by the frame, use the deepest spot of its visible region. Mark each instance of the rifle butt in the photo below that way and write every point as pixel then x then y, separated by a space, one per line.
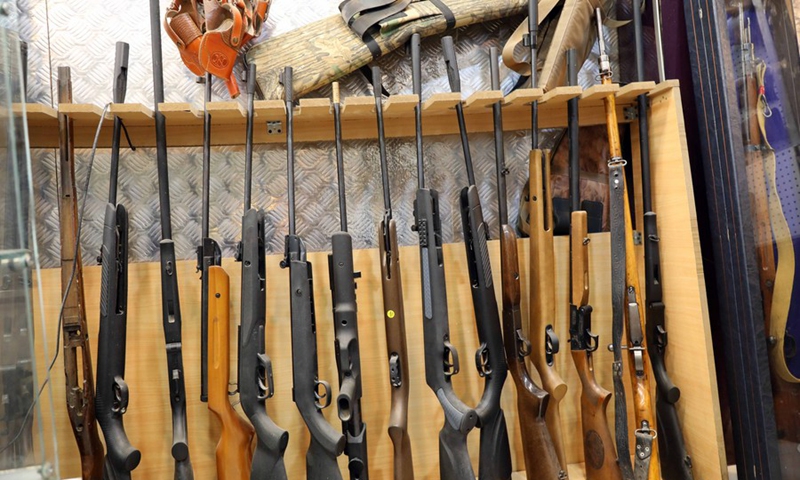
pixel 321 463
pixel 541 459
pixel 403 462
pixel 454 462
pixel 92 462
pixel 676 463
pixel 495 453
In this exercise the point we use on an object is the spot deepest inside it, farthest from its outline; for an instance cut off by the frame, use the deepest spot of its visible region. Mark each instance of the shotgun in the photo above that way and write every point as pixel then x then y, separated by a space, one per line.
pixel 326 442
pixel 345 319
pixel 538 451
pixel 677 465
pixel 170 301
pixel 394 316
pixel 256 383
pixel 598 444
pixel 625 297
pixel 441 357
pixel 495 453
pixel 542 303
pixel 80 394
pixel 112 391
pixel 233 452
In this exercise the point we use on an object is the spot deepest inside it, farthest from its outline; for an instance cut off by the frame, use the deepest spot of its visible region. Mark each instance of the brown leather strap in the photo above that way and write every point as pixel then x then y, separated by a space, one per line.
pixel 523 66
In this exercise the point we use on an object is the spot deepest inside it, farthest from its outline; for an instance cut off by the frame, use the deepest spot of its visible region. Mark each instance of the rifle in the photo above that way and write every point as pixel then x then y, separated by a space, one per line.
pixel 112 391
pixel 233 452
pixel 256 384
pixel 170 301
pixel 495 454
pixel 672 448
pixel 326 442
pixel 80 395
pixel 540 456
pixel 394 314
pixel 345 318
pixel 541 262
pixel 625 297
pixel 441 357
pixel 598 446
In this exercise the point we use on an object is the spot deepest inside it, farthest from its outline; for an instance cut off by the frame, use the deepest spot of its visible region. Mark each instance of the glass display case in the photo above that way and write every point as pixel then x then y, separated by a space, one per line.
pixel 27 441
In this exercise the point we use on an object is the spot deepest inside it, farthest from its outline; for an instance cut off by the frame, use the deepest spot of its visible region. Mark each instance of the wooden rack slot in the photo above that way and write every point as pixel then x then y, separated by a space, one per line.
pixel 270 110
pixel 226 112
pixel 37 113
pixel 522 97
pixel 664 87
pixel 632 90
pixel 481 100
pixel 441 102
pixel 399 105
pixel 181 113
pixel 560 95
pixel 132 113
pixel 358 107
pixel 82 112
pixel 311 108
pixel 596 93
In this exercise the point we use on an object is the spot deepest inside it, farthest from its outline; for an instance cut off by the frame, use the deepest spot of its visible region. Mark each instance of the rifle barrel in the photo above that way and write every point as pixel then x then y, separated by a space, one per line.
pixel 533 32
pixel 248 150
pixel 160 121
pixel 377 88
pixel 416 74
pixel 337 127
pixel 497 113
pixel 573 130
pixel 287 84
pixel 206 156
pixel 454 77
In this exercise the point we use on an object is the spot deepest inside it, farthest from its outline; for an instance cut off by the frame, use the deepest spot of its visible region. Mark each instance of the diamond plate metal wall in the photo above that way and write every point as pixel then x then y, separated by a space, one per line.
pixel 82 36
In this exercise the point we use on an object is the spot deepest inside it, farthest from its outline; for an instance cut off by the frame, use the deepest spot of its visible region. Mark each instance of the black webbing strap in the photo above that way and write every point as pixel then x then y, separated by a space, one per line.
pixel 644 450
pixel 448 14
pixel 617 213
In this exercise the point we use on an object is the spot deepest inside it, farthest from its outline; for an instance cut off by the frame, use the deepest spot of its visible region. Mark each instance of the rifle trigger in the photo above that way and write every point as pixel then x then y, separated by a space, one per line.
pixel 120 404
pixel 326 397
pixel 661 338
pixel 523 344
pixel 266 382
pixel 592 341
pixel 451 365
pixel 551 345
pixel 482 360
pixel 395 373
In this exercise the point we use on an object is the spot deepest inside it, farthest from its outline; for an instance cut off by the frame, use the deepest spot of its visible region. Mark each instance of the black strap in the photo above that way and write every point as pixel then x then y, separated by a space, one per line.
pixel 617 218
pixel 369 19
pixel 448 14
pixel 350 8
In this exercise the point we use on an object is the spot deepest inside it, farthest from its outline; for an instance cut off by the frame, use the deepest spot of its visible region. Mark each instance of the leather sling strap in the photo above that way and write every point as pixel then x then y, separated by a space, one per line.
pixel 644 451
pixel 523 67
pixel 616 167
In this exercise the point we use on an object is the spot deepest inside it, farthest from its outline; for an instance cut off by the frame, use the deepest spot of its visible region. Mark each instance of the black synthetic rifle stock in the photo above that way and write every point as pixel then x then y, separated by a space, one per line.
pixel 495 453
pixel 598 444
pixel 208 252
pixel 80 391
pixel 539 453
pixel 326 442
pixel 394 316
pixel 345 319
pixel 112 391
pixel 441 357
pixel 675 461
pixel 170 302
pixel 255 368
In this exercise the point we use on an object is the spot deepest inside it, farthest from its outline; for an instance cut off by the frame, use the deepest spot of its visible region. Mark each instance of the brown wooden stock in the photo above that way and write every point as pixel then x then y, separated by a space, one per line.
pixel 642 404
pixel 541 460
pixel 394 319
pixel 598 446
pixel 234 450
pixel 80 386
pixel 542 291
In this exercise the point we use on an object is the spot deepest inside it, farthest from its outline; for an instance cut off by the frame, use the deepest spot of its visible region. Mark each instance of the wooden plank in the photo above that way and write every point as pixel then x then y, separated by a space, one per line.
pixel 311 108
pixel 400 105
pixel 483 99
pixel 596 93
pixel 560 95
pixel 270 109
pixel 228 111
pixel 132 113
pixel 629 92
pixel 37 113
pixel 181 114
pixel 358 107
pixel 441 102
pixel 664 87
pixel 523 96
pixel 82 112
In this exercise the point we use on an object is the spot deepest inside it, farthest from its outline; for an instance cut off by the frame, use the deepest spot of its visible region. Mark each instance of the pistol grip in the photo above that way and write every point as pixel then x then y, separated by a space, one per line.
pixel 454 462
pixel 495 453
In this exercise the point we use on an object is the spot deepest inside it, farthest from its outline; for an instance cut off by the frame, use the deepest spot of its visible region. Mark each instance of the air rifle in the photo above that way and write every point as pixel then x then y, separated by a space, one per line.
pixel 170 301
pixel 598 444
pixel 625 298
pixel 326 442
pixel 677 465
pixel 495 454
pixel 542 303
pixel 538 451
pixel 441 357
pixel 345 318
pixel 112 391
pixel 394 316
pixel 80 395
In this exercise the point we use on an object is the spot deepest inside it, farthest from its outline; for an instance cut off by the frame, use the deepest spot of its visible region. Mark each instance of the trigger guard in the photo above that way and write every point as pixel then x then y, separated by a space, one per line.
pixel 266 382
pixel 482 361
pixel 326 397
pixel 453 368
pixel 120 404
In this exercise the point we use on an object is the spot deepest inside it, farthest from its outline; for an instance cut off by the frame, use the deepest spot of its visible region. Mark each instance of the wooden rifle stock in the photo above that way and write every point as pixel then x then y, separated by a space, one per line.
pixel 234 452
pixel 80 397
pixel 394 318
pixel 542 294
pixel 642 403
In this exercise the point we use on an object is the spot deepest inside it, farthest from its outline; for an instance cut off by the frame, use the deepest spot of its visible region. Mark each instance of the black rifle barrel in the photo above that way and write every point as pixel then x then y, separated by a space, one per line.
pixel 497 112
pixel 287 84
pixel 337 129
pixel 377 88
pixel 644 141
pixel 248 149
pixel 206 155
pixel 120 87
pixel 573 130
pixel 416 74
pixel 454 78
pixel 533 32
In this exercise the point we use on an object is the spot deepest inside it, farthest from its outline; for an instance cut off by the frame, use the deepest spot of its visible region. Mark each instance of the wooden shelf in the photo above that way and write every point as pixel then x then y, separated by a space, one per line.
pixel 314 116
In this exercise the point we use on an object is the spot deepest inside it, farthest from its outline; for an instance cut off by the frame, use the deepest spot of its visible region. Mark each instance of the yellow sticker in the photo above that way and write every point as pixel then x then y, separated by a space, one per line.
pixel 390 314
